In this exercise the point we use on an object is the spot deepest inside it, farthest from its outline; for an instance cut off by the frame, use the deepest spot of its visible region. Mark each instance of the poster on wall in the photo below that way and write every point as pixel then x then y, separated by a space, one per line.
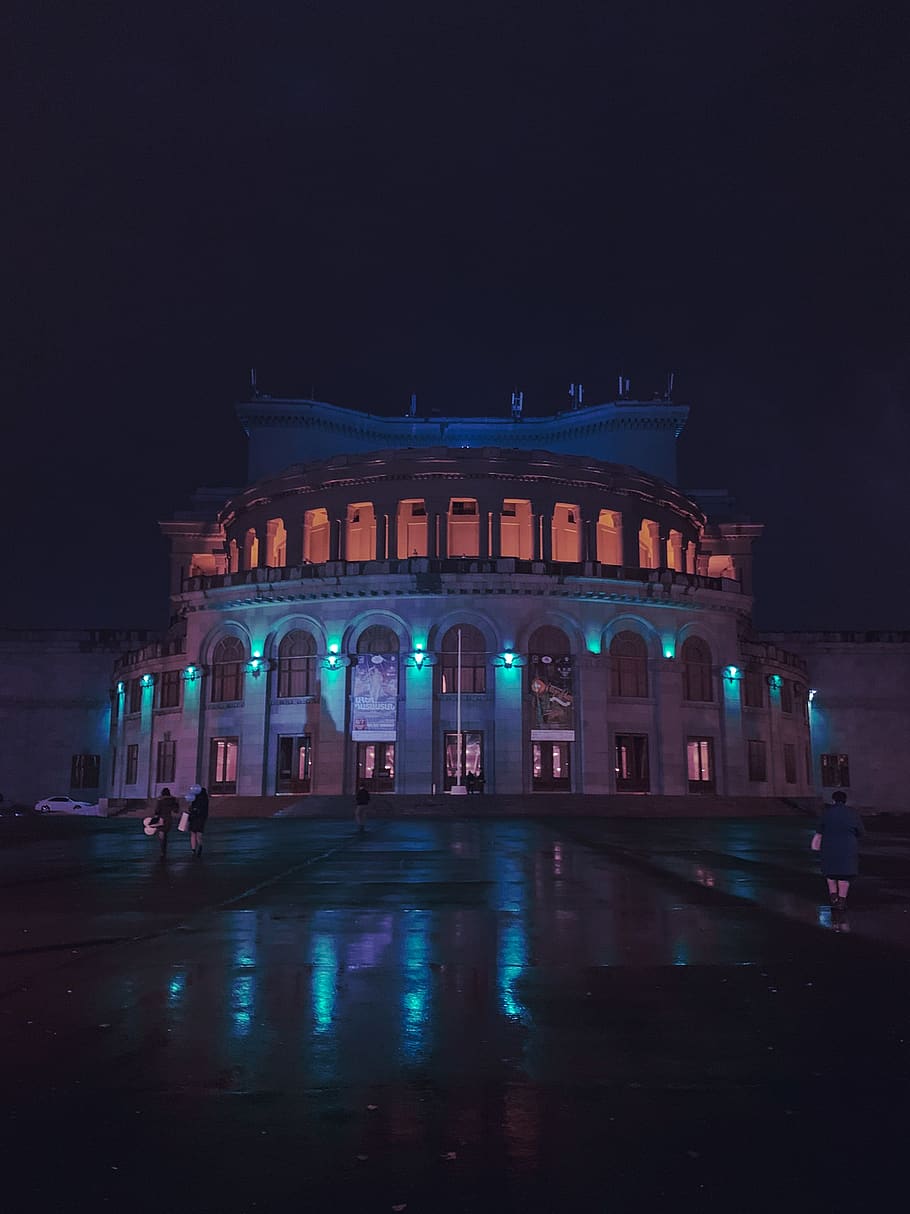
pixel 552 697
pixel 374 697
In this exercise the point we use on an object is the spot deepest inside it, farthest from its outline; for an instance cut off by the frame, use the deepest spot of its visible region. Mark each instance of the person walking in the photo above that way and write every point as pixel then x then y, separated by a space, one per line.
pixel 165 809
pixel 361 801
pixel 199 812
pixel 840 828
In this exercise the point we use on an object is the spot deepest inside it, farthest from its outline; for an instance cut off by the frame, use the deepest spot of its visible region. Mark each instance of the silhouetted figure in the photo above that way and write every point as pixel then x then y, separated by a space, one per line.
pixel 165 809
pixel 361 801
pixel 199 812
pixel 840 828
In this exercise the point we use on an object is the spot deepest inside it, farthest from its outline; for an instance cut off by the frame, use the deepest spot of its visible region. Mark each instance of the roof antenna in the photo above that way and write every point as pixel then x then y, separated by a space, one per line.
pixel 623 387
pixel 412 411
pixel 518 401
pixel 671 380
pixel 576 395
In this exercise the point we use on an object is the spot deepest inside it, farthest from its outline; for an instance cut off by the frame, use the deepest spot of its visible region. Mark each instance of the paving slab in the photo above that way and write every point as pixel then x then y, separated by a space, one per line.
pixel 452 1015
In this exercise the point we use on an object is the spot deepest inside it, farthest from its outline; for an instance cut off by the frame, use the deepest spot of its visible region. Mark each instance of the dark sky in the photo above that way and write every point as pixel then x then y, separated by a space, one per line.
pixel 368 199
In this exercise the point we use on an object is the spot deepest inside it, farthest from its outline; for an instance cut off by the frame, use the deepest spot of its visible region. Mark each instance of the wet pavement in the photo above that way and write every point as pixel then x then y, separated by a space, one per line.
pixel 534 1015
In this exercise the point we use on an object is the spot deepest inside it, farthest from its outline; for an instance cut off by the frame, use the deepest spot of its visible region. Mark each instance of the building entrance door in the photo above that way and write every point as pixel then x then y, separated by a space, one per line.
pixel 471 760
pixel 376 766
pixel 550 771
pixel 294 762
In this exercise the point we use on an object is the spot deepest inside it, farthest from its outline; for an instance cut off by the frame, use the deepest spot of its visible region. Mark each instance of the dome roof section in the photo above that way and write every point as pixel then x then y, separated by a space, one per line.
pixel 387 477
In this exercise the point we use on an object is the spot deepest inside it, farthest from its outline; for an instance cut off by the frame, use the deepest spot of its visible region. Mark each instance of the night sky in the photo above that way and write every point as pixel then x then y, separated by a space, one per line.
pixel 364 200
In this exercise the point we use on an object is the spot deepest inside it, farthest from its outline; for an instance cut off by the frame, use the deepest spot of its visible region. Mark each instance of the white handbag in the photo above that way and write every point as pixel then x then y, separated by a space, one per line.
pixel 184 821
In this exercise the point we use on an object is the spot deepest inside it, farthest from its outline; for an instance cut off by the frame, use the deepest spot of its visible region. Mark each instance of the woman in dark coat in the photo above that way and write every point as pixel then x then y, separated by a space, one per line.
pixel 199 812
pixel 840 829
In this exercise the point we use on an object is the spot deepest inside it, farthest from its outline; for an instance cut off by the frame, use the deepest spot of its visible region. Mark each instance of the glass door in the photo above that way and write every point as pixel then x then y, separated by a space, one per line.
pixel 294 764
pixel 223 766
pixel 550 770
pixel 376 766
pixel 472 775
pixel 700 764
pixel 632 773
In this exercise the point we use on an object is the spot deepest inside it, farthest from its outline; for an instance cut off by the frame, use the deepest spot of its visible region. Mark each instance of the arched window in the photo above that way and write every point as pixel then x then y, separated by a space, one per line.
pixel 227 670
pixel 696 663
pixel 675 558
pixel 551 689
pixel 377 639
pixel 296 665
pixel 628 665
pixel 233 557
pixel 473 661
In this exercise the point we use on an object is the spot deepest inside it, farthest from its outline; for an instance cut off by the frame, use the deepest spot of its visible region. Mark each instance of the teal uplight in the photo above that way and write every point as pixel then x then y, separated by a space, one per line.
pixel 119 689
pixel 147 680
pixel 508 659
pixel 191 673
pixel 775 680
pixel 256 664
pixel 812 694
pixel 419 656
pixel 332 660
pixel 669 651
pixel 731 672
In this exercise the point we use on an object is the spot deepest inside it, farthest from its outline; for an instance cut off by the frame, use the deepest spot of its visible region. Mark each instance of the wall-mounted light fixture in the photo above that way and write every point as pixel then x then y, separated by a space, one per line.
pixel 120 689
pixel 508 660
pixel 732 673
pixel 669 652
pixel 147 680
pixel 191 674
pixel 257 664
pixel 812 694
pixel 774 680
pixel 333 660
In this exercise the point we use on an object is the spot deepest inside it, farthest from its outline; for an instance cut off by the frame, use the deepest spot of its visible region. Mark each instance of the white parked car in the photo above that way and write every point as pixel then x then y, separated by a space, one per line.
pixel 65 805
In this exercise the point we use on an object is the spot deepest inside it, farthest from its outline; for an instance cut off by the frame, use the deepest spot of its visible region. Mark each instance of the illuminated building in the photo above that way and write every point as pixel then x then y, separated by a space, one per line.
pixel 604 619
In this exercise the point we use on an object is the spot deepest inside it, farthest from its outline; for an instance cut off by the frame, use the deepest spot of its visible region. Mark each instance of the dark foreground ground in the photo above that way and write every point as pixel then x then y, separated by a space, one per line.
pixel 548 1015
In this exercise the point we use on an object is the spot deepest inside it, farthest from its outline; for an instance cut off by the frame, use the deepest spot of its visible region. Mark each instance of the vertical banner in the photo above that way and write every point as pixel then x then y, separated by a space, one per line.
pixel 374 697
pixel 552 697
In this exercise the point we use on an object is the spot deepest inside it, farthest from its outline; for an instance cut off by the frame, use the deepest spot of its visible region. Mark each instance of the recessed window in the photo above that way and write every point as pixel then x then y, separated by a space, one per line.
pixel 85 771
pixel 132 763
pixel 296 665
pixel 789 762
pixel 757 754
pixel 698 684
pixel 227 670
pixel 166 761
pixel 835 771
pixel 628 665
pixel 169 689
pixel 473 661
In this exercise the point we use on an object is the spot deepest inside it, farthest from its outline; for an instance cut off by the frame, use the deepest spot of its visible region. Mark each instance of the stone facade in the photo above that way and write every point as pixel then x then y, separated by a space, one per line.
pixel 603 619
pixel 859 713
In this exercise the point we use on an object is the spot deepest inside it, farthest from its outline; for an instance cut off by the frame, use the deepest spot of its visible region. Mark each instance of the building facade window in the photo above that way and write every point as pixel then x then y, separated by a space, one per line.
pixel 227 670
pixel 698 684
pixel 412 528
pixel 169 689
pixel 516 529
pixel 115 707
pixel 85 771
pixel 132 763
pixel 135 695
pixel 700 764
pixel 223 766
pixel 609 537
pixel 789 762
pixel 786 696
pixel 757 753
pixel 473 661
pixel 166 761
pixel 753 687
pixel 835 771
pixel 628 665
pixel 296 666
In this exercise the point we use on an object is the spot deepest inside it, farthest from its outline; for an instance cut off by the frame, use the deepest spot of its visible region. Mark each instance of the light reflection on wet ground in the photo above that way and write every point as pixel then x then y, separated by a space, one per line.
pixel 483 984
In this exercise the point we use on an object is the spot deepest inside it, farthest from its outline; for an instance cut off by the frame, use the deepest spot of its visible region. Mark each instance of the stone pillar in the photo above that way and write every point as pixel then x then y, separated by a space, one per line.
pixel 731 762
pixel 630 529
pixel 382 537
pixel 336 540
pixel 666 674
